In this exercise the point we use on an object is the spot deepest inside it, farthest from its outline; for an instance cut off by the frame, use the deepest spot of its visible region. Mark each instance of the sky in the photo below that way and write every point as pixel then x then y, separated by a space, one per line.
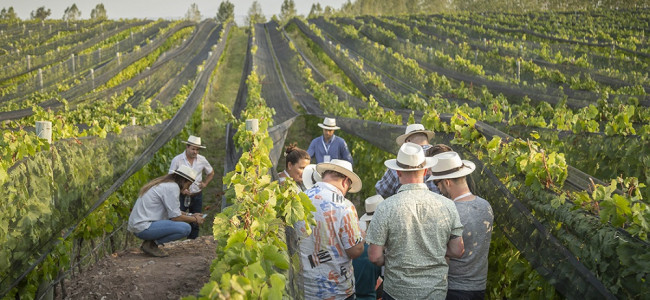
pixel 154 9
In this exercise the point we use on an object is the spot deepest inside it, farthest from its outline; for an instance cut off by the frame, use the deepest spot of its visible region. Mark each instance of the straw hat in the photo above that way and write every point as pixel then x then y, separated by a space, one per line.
pixel 187 172
pixel 413 129
pixel 329 124
pixel 371 205
pixel 310 176
pixel 450 166
pixel 344 167
pixel 410 158
pixel 194 141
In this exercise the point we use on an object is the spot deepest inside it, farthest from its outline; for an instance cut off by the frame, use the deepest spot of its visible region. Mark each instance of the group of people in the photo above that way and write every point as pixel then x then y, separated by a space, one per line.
pixel 170 207
pixel 425 235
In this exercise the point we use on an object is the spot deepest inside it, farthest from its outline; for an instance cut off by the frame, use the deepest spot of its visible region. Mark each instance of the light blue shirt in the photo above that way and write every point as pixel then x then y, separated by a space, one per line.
pixel 336 149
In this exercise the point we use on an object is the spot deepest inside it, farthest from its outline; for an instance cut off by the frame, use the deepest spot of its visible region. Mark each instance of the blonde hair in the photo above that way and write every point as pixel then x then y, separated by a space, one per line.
pixel 173 177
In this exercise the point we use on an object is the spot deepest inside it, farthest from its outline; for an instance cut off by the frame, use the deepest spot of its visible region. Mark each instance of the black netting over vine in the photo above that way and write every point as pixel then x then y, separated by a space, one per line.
pixel 106 72
pixel 70 66
pixel 571 248
pixel 66 184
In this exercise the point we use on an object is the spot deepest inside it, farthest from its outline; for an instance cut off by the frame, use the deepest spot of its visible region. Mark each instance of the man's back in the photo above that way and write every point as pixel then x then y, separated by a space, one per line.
pixel 415 226
pixel 327 269
pixel 469 273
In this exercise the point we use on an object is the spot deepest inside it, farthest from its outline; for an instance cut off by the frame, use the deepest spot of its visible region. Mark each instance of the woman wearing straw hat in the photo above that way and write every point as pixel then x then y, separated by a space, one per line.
pixel 192 197
pixel 467 274
pixel 328 146
pixel 326 254
pixel 412 231
pixel 156 217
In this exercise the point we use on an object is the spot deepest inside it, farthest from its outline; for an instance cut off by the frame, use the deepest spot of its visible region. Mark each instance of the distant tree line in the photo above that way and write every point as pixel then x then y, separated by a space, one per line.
pixel 71 13
pixel 393 7
pixel 363 7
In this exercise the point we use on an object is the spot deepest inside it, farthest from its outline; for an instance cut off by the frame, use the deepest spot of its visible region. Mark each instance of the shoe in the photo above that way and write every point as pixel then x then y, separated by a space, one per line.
pixel 151 248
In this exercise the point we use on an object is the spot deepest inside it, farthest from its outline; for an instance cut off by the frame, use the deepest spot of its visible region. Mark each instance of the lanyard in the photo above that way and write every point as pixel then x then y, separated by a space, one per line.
pixel 462 196
pixel 327 148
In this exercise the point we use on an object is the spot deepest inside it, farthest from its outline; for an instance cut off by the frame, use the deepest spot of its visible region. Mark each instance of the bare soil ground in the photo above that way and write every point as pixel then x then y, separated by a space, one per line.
pixel 131 274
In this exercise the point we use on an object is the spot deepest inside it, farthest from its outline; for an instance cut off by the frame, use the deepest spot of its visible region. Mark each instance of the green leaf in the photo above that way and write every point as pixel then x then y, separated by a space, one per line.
pixel 272 254
pixel 237 237
pixel 277 286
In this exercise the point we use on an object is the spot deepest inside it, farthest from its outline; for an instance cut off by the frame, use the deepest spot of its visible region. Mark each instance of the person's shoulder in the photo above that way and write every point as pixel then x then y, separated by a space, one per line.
pixel 177 157
pixel 202 158
pixel 437 197
pixel 482 201
pixel 169 185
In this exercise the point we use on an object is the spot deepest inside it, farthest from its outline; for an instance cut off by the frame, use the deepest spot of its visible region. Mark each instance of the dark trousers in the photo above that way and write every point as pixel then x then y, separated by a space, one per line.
pixel 465 295
pixel 196 206
pixel 386 296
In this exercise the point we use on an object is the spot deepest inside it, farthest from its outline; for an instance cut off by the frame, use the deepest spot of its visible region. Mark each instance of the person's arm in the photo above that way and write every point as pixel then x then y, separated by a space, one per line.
pixel 171 202
pixel 173 166
pixel 376 254
pixel 455 247
pixel 355 251
pixel 207 180
pixel 345 152
pixel 197 217
pixel 312 150
pixel 386 186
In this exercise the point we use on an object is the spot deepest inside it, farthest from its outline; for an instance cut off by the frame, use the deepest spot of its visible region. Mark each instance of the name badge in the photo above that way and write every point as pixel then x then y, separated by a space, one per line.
pixel 326 158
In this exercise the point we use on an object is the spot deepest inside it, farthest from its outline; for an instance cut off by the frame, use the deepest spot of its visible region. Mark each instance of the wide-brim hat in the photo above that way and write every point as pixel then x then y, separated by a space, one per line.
pixel 450 166
pixel 410 157
pixel 186 172
pixel 310 176
pixel 413 129
pixel 329 124
pixel 371 205
pixel 194 141
pixel 344 167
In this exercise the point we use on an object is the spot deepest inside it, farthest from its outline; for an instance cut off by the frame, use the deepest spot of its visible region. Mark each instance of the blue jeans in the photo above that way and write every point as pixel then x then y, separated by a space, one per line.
pixel 164 231
pixel 196 206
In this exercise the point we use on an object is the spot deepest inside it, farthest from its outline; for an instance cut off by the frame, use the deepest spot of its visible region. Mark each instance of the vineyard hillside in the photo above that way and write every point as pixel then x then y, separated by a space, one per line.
pixel 552 107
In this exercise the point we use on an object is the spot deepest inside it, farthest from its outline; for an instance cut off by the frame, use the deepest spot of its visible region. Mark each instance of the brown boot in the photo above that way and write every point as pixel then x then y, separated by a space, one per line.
pixel 151 248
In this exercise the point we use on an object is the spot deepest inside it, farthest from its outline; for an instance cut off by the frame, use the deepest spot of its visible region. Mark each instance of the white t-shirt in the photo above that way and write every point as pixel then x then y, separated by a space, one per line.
pixel 160 202
pixel 200 164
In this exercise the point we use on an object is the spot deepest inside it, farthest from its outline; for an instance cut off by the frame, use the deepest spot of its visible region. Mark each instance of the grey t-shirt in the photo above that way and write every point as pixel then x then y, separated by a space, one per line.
pixel 469 273
pixel 160 202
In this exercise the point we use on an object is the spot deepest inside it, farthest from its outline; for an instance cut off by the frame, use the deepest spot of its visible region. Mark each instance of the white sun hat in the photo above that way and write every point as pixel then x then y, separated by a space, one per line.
pixel 329 124
pixel 344 167
pixel 413 129
pixel 450 166
pixel 410 158
pixel 310 176
pixel 194 141
pixel 187 172
pixel 371 205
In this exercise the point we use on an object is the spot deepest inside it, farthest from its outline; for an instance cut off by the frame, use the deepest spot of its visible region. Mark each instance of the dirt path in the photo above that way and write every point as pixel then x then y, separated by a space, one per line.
pixel 132 274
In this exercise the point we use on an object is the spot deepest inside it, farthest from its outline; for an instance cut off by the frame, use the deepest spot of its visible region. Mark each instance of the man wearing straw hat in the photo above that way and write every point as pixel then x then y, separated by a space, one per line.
pixel 329 146
pixel 417 134
pixel 191 199
pixel 412 232
pixel 467 274
pixel 326 254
